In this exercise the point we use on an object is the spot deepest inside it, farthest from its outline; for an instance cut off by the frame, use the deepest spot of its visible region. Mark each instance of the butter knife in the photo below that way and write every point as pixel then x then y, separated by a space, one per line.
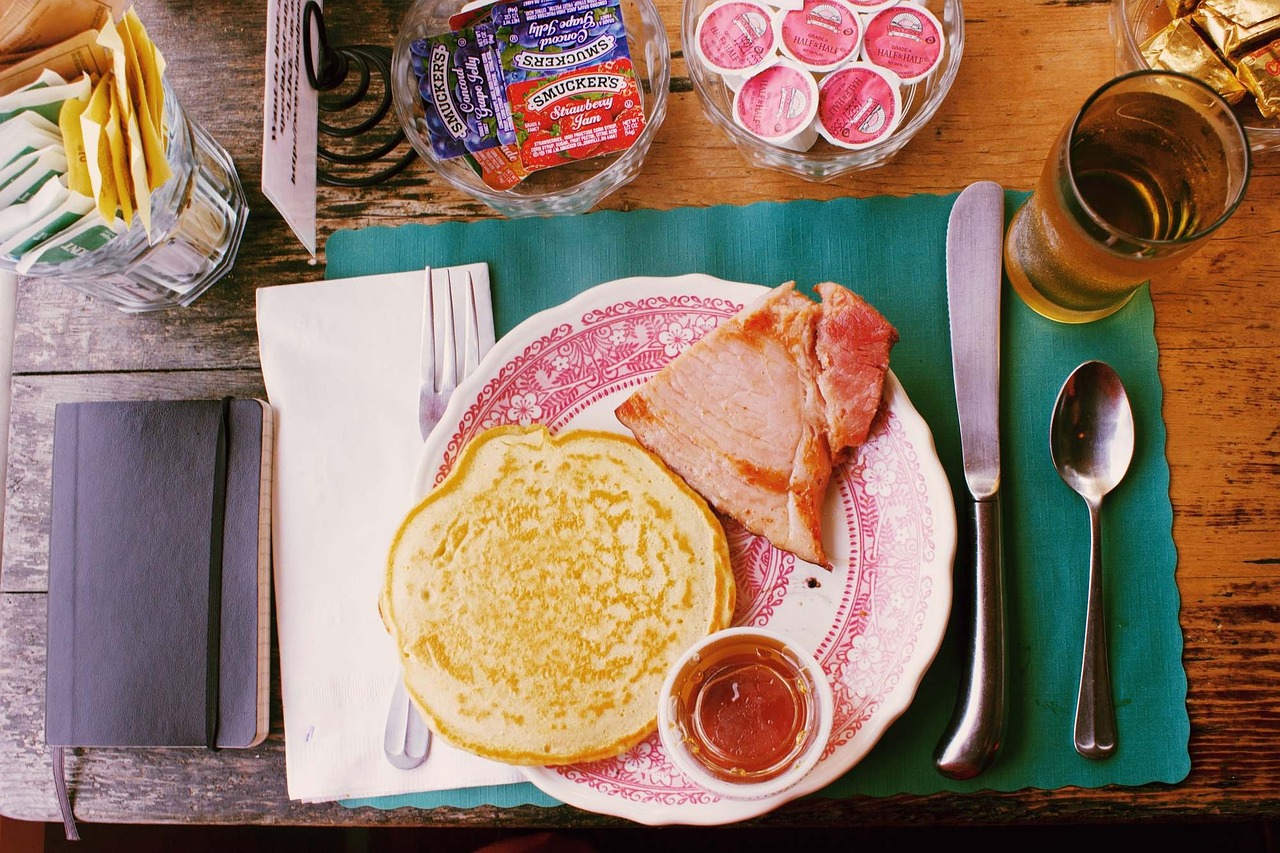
pixel 975 234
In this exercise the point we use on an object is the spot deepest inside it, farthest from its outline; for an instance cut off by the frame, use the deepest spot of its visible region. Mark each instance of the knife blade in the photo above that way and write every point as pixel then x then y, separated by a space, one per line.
pixel 975 233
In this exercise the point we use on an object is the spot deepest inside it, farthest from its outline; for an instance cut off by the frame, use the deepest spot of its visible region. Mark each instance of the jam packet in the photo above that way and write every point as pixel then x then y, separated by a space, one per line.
pixel 461 88
pixel 569 79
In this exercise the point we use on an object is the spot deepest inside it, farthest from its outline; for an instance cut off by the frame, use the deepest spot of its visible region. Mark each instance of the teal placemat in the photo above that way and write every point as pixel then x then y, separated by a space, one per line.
pixel 891 250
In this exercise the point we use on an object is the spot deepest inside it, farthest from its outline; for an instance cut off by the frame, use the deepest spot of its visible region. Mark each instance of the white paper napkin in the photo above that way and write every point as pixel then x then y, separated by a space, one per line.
pixel 340 362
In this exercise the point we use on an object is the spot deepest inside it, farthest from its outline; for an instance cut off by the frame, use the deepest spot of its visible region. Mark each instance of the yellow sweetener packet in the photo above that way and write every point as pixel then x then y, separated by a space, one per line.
pixel 73 144
pixel 93 130
pixel 118 147
pixel 151 63
pixel 156 166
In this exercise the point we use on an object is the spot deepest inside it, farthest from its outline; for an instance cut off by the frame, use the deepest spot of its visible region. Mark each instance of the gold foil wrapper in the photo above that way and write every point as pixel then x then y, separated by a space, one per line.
pixel 1233 25
pixel 1260 72
pixel 1180 47
pixel 1181 8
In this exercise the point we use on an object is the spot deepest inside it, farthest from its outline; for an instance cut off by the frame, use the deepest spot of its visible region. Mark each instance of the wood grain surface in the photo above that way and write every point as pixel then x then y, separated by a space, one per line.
pixel 1027 65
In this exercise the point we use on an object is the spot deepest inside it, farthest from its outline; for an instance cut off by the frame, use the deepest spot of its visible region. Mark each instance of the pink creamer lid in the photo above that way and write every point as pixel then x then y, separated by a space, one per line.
pixel 820 35
pixel 906 39
pixel 866 7
pixel 735 36
pixel 777 103
pixel 858 105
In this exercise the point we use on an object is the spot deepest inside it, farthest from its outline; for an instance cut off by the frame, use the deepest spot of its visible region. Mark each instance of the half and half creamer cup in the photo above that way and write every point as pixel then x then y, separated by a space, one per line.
pixel 779 105
pixel 736 39
pixel 821 35
pixel 906 39
pixel 869 7
pixel 859 105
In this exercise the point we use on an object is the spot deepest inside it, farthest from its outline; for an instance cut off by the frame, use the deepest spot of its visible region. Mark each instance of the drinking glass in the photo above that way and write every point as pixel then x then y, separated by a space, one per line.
pixel 1150 166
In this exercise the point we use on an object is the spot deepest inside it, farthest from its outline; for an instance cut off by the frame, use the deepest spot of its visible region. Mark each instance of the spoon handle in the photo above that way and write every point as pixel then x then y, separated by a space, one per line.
pixel 1095 713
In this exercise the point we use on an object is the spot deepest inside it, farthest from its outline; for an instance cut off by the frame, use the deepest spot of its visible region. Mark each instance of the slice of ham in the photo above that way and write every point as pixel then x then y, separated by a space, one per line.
pixel 754 415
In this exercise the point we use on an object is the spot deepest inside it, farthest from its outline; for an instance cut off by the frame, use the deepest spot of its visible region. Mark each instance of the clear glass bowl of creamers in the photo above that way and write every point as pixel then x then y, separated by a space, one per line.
pixel 1133 22
pixel 820 88
pixel 610 99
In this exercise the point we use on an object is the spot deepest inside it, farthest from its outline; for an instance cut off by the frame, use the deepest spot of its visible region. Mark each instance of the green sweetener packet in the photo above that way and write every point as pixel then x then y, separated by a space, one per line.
pixel 44 96
pixel 47 164
pixel 89 233
pixel 70 209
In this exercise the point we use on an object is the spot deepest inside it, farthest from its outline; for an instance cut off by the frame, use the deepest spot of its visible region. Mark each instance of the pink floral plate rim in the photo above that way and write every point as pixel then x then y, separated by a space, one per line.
pixel 875 622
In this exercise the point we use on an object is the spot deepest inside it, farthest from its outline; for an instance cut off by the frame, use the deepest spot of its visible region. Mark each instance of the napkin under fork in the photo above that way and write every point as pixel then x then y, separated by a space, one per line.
pixel 340 361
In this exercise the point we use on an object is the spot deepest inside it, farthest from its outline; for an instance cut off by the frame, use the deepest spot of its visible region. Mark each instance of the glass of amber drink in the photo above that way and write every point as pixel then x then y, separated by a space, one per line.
pixel 1151 165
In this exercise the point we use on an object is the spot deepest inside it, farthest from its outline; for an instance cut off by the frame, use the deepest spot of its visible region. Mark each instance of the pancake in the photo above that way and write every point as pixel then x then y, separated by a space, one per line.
pixel 539 595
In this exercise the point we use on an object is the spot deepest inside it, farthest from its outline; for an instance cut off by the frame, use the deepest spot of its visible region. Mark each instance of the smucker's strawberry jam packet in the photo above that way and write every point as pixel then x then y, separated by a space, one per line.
pixel 569 79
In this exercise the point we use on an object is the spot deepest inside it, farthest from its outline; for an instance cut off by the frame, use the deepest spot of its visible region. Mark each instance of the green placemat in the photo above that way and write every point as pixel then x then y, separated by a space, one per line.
pixel 891 250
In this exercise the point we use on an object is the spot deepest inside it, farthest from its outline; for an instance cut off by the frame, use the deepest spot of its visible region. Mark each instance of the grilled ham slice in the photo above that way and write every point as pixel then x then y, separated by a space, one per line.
pixel 755 414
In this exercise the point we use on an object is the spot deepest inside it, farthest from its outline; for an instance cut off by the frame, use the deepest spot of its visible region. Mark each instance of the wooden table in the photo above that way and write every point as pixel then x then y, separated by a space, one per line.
pixel 1026 67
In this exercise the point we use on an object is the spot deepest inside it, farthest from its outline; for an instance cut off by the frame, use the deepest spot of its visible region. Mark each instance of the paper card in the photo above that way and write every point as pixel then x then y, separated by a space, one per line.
pixel 289 112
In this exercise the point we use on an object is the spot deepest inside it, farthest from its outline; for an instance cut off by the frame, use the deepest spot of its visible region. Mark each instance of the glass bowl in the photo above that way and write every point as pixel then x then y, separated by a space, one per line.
pixel 574 187
pixel 1134 21
pixel 745 713
pixel 825 161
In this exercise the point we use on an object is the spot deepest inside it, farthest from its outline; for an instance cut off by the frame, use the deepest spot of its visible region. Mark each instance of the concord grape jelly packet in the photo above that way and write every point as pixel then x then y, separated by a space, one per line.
pixel 462 93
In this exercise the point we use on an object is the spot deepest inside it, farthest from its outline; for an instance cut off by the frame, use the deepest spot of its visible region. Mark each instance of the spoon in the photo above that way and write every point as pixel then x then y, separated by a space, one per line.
pixel 1091 439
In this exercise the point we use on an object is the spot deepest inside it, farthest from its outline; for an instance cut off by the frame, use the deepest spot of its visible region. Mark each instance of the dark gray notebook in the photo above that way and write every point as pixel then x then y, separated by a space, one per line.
pixel 159 574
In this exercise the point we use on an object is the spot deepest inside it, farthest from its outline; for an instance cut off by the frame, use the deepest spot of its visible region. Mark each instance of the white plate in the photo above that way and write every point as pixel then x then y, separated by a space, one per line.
pixel 875 621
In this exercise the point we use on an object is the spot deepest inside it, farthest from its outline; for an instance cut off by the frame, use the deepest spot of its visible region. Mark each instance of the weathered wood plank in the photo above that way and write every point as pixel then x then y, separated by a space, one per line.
pixel 26 540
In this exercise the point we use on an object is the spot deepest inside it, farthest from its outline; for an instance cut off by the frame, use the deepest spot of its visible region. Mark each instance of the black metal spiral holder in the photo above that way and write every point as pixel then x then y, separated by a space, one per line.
pixel 362 163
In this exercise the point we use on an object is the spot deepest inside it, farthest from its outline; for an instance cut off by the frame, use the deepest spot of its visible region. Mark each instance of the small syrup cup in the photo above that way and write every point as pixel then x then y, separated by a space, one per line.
pixel 683 739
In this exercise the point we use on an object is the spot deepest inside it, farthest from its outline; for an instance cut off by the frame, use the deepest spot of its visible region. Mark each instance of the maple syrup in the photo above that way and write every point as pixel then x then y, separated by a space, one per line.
pixel 745 708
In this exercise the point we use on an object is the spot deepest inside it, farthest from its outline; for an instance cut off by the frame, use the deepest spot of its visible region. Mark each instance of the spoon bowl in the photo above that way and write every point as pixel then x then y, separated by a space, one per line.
pixel 1091 441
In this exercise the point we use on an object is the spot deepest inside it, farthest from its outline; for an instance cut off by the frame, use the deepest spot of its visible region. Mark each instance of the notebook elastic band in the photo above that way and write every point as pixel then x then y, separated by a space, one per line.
pixel 214 637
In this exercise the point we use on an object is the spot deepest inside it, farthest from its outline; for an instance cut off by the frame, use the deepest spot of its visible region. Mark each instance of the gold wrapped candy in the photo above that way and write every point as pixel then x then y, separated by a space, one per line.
pixel 1232 45
pixel 1180 47
pixel 1260 72
pixel 1181 8
pixel 1234 25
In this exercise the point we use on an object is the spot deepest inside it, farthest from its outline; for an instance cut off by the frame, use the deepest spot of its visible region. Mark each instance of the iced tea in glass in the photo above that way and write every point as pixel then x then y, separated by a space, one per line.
pixel 1151 165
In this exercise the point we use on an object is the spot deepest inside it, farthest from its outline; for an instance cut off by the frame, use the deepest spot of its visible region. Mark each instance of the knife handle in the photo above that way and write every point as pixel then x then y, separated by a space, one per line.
pixel 976 731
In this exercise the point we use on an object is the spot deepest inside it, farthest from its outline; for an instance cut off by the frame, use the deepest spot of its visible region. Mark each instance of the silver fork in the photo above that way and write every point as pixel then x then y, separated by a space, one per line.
pixel 441 316
pixel 407 740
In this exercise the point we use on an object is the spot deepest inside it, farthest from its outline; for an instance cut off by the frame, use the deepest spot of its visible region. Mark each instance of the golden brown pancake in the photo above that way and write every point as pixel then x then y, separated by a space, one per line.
pixel 539 595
